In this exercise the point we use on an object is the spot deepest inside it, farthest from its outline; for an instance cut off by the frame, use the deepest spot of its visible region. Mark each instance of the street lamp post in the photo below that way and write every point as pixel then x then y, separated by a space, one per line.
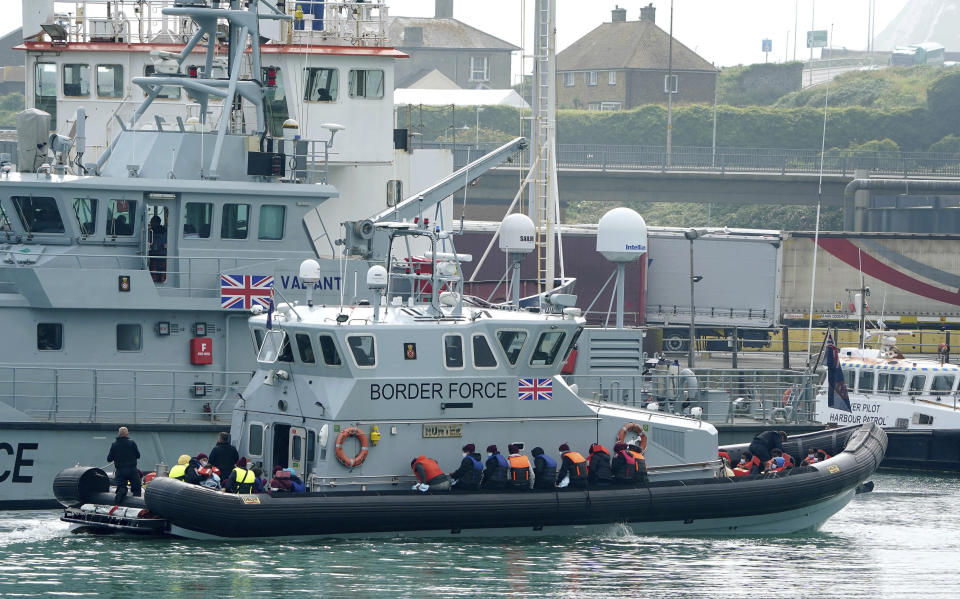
pixel 692 234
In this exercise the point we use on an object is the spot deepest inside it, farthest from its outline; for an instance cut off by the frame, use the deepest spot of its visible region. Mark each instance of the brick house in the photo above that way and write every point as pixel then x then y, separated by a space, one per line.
pixel 623 64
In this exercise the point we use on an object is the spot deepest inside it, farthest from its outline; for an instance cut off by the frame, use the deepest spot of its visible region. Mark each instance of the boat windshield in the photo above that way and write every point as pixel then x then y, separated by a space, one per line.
pixel 274 343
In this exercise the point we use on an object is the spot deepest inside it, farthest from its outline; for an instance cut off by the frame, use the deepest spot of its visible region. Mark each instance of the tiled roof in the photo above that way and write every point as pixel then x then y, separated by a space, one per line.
pixel 628 45
pixel 443 33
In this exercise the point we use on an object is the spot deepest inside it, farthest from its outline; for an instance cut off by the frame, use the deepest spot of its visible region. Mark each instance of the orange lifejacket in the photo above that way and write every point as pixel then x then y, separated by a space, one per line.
pixel 747 467
pixel 519 470
pixel 431 469
pixel 810 459
pixel 579 468
pixel 638 458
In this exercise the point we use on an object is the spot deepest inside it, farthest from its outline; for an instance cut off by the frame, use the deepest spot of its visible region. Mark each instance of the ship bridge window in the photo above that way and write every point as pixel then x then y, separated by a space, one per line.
pixel 941 385
pixel 167 92
pixel 4 221
pixel 848 378
pixel 366 83
pixel 453 351
pixel 49 336
pixel 512 343
pixel 255 440
pixel 321 85
pixel 483 356
pixel 305 348
pixel 86 211
pixel 328 348
pixel 891 384
pixel 129 337
pixel 45 90
pixel 363 349
pixel 275 348
pixel 917 383
pixel 271 222
pixel 234 221
pixel 38 215
pixel 274 101
pixel 76 80
pixel 865 383
pixel 548 346
pixel 197 219
pixel 258 338
pixel 110 80
pixel 120 217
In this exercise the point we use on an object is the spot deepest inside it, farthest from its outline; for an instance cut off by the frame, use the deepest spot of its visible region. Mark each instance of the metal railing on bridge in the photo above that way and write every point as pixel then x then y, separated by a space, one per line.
pixel 774 161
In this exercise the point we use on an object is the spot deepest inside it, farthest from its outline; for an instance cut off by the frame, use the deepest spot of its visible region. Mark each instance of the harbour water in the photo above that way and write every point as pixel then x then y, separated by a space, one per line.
pixel 900 540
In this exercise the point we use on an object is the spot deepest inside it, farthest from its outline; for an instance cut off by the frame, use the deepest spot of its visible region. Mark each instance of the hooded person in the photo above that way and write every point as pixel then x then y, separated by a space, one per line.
pixel 468 475
pixel 573 469
pixel 624 465
pixel 224 455
pixel 180 469
pixel 599 472
pixel 124 455
pixel 495 470
pixel 544 469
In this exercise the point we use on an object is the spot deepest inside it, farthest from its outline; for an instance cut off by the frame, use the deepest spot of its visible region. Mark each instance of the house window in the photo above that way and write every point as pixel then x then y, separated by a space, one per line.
pixel 234 221
pixel 590 77
pixel 453 351
pixel 197 218
pixel 366 83
pixel 255 443
pixel 305 348
pixel 321 85
pixel 109 80
pixel 120 217
pixel 670 85
pixel 568 80
pixel 612 78
pixel 271 222
pixel 38 215
pixel 76 80
pixel 86 211
pixel 512 343
pixel 545 353
pixel 363 349
pixel 129 337
pixel 483 356
pixel 49 336
pixel 479 68
pixel 167 92
pixel 331 357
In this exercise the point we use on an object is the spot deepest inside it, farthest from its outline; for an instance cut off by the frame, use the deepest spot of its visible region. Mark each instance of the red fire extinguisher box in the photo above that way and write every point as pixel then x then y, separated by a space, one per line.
pixel 201 350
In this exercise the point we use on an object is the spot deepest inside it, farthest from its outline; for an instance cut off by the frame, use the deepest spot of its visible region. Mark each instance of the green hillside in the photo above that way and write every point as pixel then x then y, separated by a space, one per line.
pixel 886 88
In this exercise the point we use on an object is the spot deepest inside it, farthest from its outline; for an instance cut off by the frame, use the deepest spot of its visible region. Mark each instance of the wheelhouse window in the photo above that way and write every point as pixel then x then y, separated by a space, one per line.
pixel 167 92
pixel 275 348
pixel 590 77
pixel 49 336
pixel 86 211
pixel 129 337
pixel 258 338
pixel 5 225
pixel 271 222
pixel 547 349
pixel 479 68
pixel 110 80
pixel 483 356
pixel 321 85
pixel 45 90
pixel 274 99
pixel 865 382
pixel 941 385
pixel 568 80
pixel 512 343
pixel 120 217
pixel 849 377
pixel 305 348
pixel 328 349
pixel 363 349
pixel 255 440
pixel 453 351
pixel 76 80
pixel 234 221
pixel 917 383
pixel 197 218
pixel 366 83
pixel 891 384
pixel 38 214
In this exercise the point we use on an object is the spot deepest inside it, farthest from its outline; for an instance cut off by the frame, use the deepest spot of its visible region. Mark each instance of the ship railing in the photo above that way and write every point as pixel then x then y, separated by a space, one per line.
pixel 121 395
pixel 121 21
pixel 335 22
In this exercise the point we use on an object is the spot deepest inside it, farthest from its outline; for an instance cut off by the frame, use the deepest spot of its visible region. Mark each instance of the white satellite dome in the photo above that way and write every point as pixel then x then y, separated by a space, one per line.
pixel 377 277
pixel 622 235
pixel 517 234
pixel 310 271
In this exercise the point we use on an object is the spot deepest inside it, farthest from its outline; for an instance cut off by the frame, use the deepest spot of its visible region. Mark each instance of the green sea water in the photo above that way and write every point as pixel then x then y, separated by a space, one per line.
pixel 902 540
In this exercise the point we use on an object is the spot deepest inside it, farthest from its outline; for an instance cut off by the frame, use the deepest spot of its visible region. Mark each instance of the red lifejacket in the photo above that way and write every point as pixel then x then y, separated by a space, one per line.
pixel 810 459
pixel 747 467
pixel 579 468
pixel 431 469
pixel 519 469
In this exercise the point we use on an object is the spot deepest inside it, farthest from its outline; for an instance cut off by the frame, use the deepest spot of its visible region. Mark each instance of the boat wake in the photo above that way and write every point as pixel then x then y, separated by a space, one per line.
pixel 30 527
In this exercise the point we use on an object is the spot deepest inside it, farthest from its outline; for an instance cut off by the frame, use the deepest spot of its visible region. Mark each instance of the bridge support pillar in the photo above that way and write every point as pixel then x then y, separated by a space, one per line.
pixel 855 209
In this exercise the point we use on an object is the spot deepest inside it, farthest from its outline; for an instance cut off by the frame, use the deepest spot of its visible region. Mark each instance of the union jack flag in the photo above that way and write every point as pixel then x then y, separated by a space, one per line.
pixel 535 389
pixel 242 292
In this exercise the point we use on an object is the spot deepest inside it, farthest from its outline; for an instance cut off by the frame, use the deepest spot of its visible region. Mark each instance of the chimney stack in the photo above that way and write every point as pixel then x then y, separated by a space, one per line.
pixel 619 15
pixel 648 13
pixel 443 9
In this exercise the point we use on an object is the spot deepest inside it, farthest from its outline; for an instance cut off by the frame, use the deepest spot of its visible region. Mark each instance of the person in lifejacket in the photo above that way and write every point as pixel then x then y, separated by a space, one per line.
pixel 467 476
pixel 241 480
pixel 624 465
pixel 281 480
pixel 573 468
pixel 777 464
pixel 822 455
pixel 180 469
pixel 725 462
pixel 634 449
pixel 520 476
pixel 430 475
pixel 495 470
pixel 599 472
pixel 544 470
pixel 811 457
pixel 200 473
pixel 748 464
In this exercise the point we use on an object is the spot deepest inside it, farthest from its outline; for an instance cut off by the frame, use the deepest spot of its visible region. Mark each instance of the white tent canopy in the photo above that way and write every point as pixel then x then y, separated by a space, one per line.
pixel 459 97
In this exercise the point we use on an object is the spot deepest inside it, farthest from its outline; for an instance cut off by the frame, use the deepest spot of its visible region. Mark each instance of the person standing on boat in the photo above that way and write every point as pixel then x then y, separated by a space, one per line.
pixel 521 472
pixel 573 468
pixel 224 455
pixel 430 475
pixel 124 455
pixel 765 442
pixel 495 469
pixel 241 479
pixel 544 470
pixel 599 472
pixel 467 476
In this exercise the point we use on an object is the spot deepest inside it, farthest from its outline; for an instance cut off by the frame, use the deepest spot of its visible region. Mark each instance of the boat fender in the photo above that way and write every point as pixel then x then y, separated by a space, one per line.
pixel 633 427
pixel 358 459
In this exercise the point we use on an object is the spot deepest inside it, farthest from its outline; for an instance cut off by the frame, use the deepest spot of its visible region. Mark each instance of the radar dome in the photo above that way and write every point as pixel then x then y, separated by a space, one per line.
pixel 517 234
pixel 622 235
pixel 377 277
pixel 309 271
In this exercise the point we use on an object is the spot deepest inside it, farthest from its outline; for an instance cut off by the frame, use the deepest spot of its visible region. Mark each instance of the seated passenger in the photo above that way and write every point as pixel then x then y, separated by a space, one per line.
pixel 199 472
pixel 429 474
pixel 241 479
pixel 495 470
pixel 811 457
pixel 520 476
pixel 573 469
pixel 624 465
pixel 259 483
pixel 634 449
pixel 297 484
pixel 281 480
pixel 467 476
pixel 544 470
pixel 599 473
pixel 822 455
pixel 180 469
pixel 777 464
pixel 748 465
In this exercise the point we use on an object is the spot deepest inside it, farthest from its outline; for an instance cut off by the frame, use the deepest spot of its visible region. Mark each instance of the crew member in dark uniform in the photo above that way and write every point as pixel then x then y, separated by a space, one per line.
pixel 765 442
pixel 544 470
pixel 124 455
pixel 467 476
pixel 224 455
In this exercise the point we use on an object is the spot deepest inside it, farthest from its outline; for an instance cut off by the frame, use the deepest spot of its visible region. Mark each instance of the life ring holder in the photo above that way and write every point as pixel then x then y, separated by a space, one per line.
pixel 632 427
pixel 358 459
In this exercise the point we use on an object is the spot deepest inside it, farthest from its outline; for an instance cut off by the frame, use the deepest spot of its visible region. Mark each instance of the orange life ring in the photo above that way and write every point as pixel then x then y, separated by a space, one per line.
pixel 356 460
pixel 786 396
pixel 633 427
